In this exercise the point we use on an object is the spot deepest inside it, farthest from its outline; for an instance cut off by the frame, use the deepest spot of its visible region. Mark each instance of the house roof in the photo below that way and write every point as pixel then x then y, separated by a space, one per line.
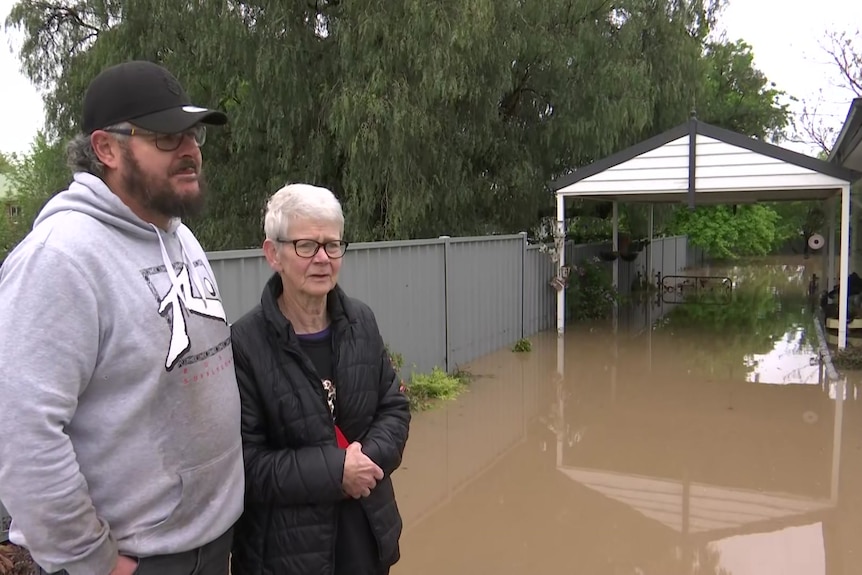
pixel 5 187
pixel 847 150
pixel 696 157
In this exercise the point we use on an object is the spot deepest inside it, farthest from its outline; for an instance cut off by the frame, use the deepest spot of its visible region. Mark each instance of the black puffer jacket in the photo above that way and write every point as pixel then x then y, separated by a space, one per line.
pixel 293 464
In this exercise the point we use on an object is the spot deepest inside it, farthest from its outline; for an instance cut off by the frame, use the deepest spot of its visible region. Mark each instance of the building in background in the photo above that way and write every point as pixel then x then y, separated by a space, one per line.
pixel 8 204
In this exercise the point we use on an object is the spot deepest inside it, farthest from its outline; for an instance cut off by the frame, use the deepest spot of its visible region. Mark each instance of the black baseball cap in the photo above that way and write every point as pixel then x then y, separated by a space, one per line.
pixel 146 95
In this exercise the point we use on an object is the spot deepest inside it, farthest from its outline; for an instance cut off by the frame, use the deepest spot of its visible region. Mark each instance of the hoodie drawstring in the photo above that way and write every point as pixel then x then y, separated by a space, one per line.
pixel 193 272
pixel 169 267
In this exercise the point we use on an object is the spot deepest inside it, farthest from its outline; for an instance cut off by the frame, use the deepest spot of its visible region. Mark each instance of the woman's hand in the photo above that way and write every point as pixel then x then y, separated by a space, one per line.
pixel 360 473
pixel 125 566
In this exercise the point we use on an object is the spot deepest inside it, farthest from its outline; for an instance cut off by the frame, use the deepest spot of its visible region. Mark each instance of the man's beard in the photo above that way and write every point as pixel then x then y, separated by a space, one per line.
pixel 158 195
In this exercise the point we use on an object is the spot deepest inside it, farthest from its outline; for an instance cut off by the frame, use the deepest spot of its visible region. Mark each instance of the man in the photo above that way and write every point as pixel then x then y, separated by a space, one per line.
pixel 120 417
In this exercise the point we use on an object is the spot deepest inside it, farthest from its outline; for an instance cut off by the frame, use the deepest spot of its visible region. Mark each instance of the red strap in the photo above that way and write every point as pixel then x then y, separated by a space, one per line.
pixel 339 437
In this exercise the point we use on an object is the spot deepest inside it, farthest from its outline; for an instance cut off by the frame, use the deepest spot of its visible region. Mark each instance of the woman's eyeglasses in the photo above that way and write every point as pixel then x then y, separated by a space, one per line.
pixel 309 248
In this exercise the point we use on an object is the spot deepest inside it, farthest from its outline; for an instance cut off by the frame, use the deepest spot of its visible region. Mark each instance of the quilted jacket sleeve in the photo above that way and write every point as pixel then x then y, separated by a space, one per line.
pixel 309 475
pixel 386 438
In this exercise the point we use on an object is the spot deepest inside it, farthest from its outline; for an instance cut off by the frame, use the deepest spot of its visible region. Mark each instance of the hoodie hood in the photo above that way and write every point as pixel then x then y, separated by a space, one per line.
pixel 89 195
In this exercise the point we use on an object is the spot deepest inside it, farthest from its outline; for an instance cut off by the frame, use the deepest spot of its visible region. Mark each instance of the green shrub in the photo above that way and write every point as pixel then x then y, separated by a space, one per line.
pixel 591 293
pixel 522 345
pixel 425 388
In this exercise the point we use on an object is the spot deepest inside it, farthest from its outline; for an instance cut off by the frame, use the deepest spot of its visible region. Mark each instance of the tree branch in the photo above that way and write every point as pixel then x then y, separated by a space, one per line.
pixel 847 59
pixel 810 129
pixel 55 11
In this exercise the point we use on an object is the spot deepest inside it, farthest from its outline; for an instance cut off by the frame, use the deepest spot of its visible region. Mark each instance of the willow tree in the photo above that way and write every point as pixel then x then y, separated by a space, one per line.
pixel 425 118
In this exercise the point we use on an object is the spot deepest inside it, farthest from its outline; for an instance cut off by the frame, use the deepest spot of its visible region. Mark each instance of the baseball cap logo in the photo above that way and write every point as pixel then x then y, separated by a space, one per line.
pixel 193 109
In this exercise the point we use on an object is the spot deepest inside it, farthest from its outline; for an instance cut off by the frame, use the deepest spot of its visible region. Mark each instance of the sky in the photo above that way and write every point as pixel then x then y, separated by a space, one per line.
pixel 788 40
pixel 787 37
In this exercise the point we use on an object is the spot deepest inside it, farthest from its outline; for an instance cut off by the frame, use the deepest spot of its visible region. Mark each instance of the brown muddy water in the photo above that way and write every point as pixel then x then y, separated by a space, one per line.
pixel 695 438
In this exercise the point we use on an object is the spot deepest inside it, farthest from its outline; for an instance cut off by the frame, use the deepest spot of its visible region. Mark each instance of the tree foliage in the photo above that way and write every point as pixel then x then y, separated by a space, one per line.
pixel 799 220
pixel 738 97
pixel 424 118
pixel 5 163
pixel 32 178
pixel 729 231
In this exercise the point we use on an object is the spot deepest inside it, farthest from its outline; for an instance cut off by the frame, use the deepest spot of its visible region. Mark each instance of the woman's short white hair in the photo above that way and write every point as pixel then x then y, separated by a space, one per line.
pixel 300 202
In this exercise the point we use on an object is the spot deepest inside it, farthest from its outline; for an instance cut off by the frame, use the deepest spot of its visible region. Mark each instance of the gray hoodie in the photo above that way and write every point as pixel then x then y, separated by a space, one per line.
pixel 119 408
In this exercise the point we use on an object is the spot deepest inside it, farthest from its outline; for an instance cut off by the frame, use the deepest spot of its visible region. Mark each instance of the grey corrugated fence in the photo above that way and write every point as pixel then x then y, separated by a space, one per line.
pixel 444 302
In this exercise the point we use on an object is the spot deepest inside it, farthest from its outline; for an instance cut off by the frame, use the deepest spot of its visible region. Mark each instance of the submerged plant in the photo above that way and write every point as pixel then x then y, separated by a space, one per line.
pixel 424 388
pixel 591 293
pixel 849 358
pixel 522 345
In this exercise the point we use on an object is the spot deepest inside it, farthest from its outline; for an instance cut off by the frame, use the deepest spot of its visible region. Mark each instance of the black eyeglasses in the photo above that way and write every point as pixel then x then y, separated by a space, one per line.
pixel 166 142
pixel 309 248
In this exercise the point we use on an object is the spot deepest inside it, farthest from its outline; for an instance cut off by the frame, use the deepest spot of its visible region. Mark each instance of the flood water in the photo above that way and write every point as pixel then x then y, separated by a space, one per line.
pixel 696 438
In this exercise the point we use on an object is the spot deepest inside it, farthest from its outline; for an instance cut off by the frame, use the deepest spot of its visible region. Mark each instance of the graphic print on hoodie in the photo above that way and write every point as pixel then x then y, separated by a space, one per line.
pixel 127 426
pixel 178 301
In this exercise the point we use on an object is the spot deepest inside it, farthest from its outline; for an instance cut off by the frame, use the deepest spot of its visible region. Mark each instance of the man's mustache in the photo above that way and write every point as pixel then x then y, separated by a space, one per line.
pixel 185 164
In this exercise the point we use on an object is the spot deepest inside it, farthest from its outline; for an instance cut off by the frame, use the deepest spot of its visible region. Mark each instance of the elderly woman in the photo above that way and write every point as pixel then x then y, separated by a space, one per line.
pixel 323 421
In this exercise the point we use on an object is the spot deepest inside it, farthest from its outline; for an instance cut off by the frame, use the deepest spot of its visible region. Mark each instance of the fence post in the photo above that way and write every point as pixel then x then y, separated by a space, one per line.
pixel 5 523
pixel 448 318
pixel 523 282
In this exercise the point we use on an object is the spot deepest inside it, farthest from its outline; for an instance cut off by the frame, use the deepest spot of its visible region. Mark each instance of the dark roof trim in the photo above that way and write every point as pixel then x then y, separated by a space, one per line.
pixel 850 136
pixel 694 127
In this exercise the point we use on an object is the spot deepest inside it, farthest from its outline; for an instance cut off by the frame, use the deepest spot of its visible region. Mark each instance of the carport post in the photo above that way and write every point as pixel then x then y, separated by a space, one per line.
pixel 844 266
pixel 832 280
pixel 561 232
pixel 560 380
pixel 854 235
pixel 616 245
pixel 837 428
pixel 648 271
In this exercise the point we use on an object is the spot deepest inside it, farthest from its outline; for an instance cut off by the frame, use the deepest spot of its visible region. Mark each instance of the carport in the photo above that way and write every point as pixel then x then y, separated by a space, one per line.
pixel 699 164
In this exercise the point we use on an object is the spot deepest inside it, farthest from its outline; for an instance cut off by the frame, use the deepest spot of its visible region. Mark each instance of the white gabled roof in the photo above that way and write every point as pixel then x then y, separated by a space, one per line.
pixel 706 164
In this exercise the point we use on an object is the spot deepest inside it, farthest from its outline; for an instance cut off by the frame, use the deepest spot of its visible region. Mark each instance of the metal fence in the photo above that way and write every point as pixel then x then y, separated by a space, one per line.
pixel 444 302
pixel 5 523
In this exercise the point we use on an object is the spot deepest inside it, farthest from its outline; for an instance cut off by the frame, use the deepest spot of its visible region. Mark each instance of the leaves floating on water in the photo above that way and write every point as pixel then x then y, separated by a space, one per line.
pixel 15 560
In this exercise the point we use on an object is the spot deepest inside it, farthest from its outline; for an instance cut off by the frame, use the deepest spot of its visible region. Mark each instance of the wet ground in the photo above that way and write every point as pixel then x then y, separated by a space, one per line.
pixel 711 443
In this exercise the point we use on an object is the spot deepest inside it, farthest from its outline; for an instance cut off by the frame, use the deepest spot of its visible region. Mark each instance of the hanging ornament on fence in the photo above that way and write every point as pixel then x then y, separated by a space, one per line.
pixel 816 241
pixel 560 281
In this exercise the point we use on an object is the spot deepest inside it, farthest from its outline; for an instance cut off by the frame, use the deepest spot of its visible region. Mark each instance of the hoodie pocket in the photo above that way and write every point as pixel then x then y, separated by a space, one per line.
pixel 200 488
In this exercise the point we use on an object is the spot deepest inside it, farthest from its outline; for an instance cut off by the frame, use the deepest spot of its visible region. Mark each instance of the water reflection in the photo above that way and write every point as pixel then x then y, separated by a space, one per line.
pixel 790 550
pixel 764 328
pixel 642 451
pixel 792 359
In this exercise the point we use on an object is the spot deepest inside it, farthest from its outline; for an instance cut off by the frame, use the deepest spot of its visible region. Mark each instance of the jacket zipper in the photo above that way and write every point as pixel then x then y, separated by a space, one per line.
pixel 337 507
pixel 312 373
